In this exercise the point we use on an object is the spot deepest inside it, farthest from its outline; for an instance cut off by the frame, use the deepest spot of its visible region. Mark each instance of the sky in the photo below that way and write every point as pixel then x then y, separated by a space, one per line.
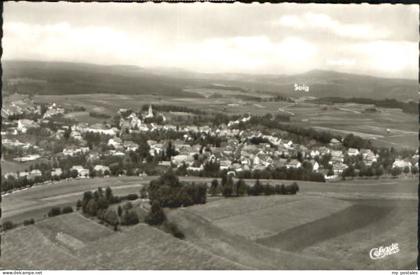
pixel 380 40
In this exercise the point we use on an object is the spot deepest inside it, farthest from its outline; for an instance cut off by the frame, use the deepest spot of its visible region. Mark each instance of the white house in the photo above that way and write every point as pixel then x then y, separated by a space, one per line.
pixel 353 152
pixel 56 172
pixel 225 164
pixel 315 165
pixel 294 163
pixel 25 124
pixel 74 151
pixel 195 169
pixel 34 174
pixel 337 156
pixel 101 169
pixel 115 143
pixel 400 163
pixel 28 158
pixel 81 172
pixel 130 145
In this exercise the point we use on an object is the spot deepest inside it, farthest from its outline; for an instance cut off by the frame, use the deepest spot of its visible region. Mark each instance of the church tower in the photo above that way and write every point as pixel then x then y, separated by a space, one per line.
pixel 150 114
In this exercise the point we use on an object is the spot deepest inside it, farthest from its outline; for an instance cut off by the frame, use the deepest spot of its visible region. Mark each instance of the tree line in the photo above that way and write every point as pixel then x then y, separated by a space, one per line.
pixel 229 188
pixel 410 107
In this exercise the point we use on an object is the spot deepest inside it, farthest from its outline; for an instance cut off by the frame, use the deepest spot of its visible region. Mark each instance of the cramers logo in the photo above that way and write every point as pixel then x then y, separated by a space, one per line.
pixel 382 252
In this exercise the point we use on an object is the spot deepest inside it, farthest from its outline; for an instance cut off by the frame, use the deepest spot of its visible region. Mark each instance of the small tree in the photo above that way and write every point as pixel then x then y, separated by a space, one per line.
pixel 74 173
pixel 414 170
pixel 55 211
pixel 379 171
pixel 132 197
pixel 130 218
pixel 28 222
pixel 257 189
pixel 78 205
pixel 156 215
pixel 128 205
pixel 108 195
pixel 395 171
pixel 7 225
pixel 119 211
pixel 228 188
pixel 111 217
pixel 143 192
pixel 282 189
pixel 214 187
pixel 67 209
pixel 268 189
pixel 92 207
pixel 241 187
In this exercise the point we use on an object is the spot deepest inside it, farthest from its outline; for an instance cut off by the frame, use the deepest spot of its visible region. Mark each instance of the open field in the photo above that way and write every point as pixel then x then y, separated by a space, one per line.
pixel 268 221
pixel 345 236
pixel 206 234
pixel 28 248
pixel 339 118
pixel 36 201
pixel 74 242
pixel 395 223
pixel 325 226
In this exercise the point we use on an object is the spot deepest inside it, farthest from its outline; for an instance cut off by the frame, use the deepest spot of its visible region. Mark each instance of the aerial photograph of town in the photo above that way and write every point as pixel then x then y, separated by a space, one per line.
pixel 208 136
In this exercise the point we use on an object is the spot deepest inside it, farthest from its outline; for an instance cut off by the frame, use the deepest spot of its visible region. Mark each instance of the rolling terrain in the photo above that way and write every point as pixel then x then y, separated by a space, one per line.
pixel 63 78
pixel 324 226
pixel 106 89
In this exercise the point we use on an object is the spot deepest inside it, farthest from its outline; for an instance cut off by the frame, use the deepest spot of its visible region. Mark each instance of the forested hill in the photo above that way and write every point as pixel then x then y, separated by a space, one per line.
pixel 36 77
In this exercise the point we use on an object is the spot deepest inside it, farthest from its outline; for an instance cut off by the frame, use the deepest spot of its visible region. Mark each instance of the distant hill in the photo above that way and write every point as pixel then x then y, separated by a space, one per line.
pixel 36 77
pixel 32 77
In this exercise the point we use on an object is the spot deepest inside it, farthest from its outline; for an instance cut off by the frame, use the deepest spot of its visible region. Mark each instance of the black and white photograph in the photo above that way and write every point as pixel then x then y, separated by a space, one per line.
pixel 209 136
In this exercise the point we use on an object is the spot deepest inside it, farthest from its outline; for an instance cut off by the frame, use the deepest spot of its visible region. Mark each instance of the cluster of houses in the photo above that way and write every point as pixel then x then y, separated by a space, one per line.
pixel 238 152
pixel 20 107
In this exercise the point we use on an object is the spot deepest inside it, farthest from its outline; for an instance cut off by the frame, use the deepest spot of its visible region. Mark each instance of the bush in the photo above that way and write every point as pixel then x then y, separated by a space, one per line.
pixel 291 188
pixel 111 217
pixel 78 204
pixel 7 225
pixel 55 211
pixel 115 199
pixel 143 192
pixel 92 207
pixel 127 206
pixel 132 197
pixel 129 218
pixel 156 215
pixel 268 189
pixel 28 222
pixel 67 209
pixel 173 229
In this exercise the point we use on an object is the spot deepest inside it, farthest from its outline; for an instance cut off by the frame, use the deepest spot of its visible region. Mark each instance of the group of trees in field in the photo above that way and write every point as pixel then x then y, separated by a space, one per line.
pixel 352 141
pixel 97 204
pixel 283 173
pixel 229 188
pixel 410 107
pixel 168 191
pixel 277 123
